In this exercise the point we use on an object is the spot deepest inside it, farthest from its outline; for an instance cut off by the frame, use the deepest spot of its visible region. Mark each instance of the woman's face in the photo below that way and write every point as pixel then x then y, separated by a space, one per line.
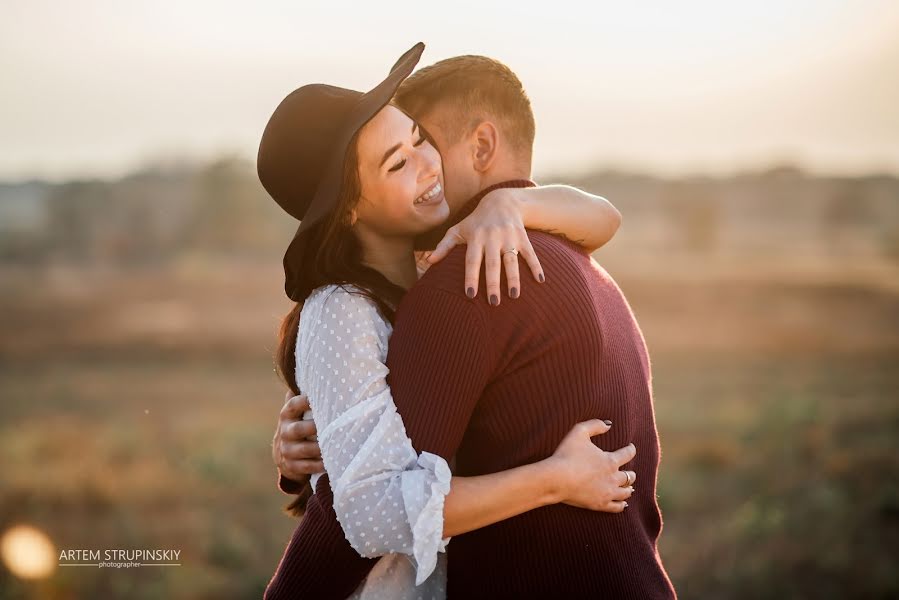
pixel 400 175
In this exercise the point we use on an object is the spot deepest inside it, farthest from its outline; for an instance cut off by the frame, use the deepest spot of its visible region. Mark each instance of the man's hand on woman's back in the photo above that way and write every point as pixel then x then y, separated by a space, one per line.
pixel 295 450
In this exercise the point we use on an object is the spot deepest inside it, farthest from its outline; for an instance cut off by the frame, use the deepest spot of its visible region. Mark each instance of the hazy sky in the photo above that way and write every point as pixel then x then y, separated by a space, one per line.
pixel 99 87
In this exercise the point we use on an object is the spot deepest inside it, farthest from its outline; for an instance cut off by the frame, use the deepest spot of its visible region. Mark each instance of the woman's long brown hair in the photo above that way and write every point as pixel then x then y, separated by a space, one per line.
pixel 331 254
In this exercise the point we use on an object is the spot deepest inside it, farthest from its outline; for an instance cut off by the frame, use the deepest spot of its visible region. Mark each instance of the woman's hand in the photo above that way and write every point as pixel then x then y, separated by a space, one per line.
pixel 590 477
pixel 493 228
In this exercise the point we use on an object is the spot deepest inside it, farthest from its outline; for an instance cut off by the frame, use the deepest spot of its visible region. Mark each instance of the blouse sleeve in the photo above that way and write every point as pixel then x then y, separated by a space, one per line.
pixel 387 498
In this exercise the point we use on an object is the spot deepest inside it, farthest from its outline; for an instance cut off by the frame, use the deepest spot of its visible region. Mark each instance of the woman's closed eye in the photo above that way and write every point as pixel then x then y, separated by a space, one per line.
pixel 402 163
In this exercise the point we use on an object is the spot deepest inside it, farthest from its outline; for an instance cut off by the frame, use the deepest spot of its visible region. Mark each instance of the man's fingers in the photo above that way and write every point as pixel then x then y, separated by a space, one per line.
pixel 295 407
pixel 298 431
pixel 624 455
pixel 473 256
pixel 298 469
pixel 300 451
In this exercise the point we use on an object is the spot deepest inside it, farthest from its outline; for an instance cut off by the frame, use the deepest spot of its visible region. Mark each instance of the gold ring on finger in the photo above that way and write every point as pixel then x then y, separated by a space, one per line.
pixel 512 250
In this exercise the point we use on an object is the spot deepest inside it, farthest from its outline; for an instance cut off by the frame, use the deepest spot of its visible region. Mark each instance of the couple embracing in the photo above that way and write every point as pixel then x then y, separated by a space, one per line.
pixel 451 432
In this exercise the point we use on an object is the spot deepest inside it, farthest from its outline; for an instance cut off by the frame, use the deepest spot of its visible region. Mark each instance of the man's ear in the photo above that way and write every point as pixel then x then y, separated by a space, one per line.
pixel 486 145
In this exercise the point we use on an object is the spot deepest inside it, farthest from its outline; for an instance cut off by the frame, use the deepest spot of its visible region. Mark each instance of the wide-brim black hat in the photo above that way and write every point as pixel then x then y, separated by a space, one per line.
pixel 300 160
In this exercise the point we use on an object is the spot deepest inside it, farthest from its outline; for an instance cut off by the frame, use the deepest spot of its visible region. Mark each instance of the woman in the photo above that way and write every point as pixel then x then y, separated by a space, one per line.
pixel 365 180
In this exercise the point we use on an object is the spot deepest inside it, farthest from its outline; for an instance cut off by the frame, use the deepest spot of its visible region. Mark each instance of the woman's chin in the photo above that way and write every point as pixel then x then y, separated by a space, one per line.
pixel 434 214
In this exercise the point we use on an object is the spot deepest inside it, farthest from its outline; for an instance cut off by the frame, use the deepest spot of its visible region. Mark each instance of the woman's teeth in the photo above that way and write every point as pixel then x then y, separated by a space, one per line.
pixel 428 195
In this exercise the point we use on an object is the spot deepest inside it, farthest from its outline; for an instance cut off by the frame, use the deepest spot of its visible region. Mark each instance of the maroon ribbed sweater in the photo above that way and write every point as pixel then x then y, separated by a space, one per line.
pixel 499 387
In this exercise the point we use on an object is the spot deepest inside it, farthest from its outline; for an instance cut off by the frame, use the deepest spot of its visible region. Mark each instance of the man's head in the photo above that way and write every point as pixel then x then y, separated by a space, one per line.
pixel 481 120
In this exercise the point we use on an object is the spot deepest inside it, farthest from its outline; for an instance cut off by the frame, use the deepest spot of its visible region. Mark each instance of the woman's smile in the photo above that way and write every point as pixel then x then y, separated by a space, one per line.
pixel 434 195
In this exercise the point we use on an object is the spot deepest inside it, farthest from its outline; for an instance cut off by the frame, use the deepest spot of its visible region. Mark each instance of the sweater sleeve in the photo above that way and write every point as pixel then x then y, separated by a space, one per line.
pixel 318 561
pixel 441 359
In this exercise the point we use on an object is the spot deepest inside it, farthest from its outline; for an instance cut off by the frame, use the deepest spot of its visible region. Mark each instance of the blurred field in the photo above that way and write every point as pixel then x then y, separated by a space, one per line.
pixel 138 407
pixel 139 400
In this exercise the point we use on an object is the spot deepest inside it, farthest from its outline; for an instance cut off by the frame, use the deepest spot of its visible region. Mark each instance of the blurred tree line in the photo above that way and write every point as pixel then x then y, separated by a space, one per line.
pixel 149 217
pixel 220 208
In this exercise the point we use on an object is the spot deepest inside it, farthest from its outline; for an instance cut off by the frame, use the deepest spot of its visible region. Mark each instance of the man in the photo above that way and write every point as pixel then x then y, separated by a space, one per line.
pixel 499 386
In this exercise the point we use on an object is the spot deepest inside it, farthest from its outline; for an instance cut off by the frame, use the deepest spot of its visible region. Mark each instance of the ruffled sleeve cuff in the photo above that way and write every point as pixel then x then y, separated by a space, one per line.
pixel 424 497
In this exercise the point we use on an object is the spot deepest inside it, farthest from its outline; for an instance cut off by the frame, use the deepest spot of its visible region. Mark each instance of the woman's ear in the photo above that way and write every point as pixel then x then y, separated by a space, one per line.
pixel 486 143
pixel 351 219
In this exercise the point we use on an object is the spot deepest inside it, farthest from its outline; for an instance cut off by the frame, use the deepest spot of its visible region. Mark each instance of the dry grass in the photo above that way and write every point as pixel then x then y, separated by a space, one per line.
pixel 138 408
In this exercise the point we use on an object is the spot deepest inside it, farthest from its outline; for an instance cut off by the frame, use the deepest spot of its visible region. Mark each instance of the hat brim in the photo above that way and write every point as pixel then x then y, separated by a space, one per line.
pixel 328 188
pixel 366 107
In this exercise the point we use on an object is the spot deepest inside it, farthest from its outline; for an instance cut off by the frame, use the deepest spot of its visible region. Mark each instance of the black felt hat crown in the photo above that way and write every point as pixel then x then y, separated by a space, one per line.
pixel 300 159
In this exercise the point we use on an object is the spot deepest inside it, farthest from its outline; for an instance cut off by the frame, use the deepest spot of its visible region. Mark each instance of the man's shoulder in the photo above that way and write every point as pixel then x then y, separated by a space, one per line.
pixel 555 245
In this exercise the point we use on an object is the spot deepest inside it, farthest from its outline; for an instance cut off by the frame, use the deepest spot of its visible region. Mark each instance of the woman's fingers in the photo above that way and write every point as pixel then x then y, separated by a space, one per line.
pixel 625 478
pixel 530 257
pixel 513 280
pixel 492 264
pixel 622 493
pixel 450 240
pixel 622 456
pixel 473 258
pixel 593 427
pixel 615 506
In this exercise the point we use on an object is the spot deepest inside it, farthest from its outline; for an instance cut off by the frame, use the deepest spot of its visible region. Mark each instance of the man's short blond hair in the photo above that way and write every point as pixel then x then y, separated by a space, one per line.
pixel 470 89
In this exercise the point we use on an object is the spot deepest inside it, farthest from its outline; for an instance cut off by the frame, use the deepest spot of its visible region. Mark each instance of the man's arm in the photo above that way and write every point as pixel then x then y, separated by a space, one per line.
pixel 319 562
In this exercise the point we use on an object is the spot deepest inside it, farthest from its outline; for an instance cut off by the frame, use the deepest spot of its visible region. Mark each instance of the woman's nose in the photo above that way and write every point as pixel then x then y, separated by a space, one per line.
pixel 431 163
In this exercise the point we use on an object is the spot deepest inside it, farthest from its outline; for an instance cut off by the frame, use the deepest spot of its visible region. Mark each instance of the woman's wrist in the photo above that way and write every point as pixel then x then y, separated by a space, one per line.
pixel 518 199
pixel 511 200
pixel 552 482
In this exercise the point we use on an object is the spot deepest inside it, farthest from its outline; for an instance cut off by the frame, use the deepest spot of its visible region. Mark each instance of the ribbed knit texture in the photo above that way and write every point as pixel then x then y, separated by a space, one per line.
pixel 499 387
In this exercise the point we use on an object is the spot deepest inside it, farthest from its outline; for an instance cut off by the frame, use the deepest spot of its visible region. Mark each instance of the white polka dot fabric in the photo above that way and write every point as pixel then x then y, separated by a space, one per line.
pixel 388 498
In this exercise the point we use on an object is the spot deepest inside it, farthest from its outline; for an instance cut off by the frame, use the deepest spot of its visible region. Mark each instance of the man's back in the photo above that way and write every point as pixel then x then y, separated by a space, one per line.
pixel 566 351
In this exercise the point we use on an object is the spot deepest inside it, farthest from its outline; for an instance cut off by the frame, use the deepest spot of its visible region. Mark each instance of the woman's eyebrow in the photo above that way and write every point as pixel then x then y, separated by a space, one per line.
pixel 394 148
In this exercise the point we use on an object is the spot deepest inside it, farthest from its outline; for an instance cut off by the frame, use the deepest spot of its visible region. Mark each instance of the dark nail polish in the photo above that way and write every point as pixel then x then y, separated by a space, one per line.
pixel 470 292
pixel 513 292
pixel 493 300
pixel 541 278
pixel 607 422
